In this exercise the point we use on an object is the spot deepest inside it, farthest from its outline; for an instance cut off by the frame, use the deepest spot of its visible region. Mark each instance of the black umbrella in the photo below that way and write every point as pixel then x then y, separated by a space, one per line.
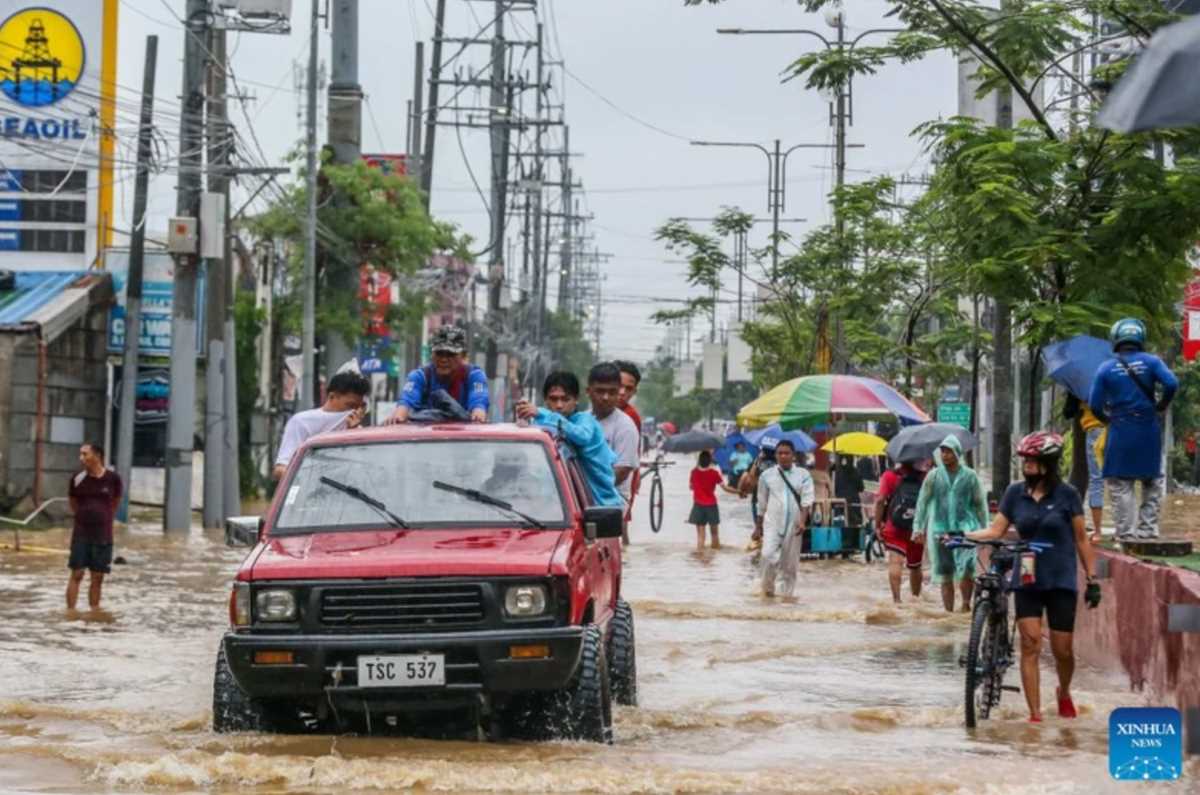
pixel 1161 88
pixel 693 442
pixel 919 442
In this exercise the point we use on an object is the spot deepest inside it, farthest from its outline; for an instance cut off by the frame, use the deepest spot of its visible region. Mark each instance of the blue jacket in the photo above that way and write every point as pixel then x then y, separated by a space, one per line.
pixel 1134 447
pixel 596 458
pixel 473 392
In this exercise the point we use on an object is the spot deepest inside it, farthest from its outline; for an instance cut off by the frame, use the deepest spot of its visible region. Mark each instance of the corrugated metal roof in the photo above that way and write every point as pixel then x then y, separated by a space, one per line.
pixel 34 290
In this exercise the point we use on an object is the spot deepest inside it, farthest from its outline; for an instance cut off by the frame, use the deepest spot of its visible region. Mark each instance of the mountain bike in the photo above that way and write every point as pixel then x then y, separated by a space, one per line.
pixel 656 489
pixel 991 644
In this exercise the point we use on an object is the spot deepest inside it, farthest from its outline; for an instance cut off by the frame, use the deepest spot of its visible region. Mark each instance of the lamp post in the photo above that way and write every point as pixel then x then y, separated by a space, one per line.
pixel 776 181
pixel 835 17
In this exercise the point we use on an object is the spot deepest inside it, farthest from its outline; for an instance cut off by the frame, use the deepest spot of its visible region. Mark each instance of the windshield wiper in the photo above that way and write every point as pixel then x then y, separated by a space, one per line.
pixel 365 499
pixel 487 499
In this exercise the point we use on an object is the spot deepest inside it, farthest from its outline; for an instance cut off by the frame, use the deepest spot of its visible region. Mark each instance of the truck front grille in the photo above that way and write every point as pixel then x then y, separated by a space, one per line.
pixel 409 607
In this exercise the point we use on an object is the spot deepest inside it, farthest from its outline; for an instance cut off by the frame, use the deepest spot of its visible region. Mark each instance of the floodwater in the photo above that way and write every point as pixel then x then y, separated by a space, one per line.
pixel 839 692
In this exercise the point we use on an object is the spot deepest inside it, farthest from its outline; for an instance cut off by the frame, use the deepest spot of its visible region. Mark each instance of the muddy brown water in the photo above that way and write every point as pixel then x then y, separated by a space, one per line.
pixel 838 692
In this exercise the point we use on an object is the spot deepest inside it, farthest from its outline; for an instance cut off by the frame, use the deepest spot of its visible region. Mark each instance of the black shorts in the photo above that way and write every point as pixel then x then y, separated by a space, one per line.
pixel 705 514
pixel 1057 603
pixel 93 557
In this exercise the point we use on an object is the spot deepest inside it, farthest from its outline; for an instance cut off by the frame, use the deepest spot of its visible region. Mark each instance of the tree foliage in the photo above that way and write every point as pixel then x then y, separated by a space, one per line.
pixel 1073 225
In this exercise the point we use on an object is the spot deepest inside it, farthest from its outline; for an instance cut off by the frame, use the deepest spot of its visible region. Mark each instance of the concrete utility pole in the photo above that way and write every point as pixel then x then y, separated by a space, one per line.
pixel 217 270
pixel 564 275
pixel 308 384
pixel 181 426
pixel 133 282
pixel 345 141
pixel 435 78
pixel 499 113
pixel 1002 364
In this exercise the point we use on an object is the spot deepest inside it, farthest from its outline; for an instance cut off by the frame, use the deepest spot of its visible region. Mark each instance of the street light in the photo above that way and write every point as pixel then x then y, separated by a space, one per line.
pixel 776 180
pixel 835 17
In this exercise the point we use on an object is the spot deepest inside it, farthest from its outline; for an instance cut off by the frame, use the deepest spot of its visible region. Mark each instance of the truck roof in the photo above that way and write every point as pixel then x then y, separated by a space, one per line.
pixel 418 432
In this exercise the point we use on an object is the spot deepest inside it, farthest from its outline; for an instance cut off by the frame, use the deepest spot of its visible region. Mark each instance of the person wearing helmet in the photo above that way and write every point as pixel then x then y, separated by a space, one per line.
pixel 1044 509
pixel 1124 395
pixel 448 376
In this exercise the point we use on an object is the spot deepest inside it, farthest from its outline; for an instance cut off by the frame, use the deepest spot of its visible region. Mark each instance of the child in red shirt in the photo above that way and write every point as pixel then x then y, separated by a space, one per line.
pixel 704 481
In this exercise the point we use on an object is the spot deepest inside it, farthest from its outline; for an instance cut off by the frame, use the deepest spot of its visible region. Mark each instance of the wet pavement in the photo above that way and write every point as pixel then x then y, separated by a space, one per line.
pixel 838 692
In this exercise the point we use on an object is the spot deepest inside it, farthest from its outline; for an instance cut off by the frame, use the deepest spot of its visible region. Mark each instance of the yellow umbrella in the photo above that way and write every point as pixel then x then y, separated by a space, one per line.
pixel 856 443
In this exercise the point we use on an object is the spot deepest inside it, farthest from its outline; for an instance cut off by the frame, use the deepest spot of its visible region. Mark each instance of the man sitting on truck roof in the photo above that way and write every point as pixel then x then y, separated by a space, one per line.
pixel 448 377
pixel 561 414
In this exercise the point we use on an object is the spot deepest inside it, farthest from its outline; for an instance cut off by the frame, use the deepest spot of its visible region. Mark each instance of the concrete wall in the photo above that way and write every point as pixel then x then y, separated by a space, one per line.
pixel 1130 630
pixel 75 404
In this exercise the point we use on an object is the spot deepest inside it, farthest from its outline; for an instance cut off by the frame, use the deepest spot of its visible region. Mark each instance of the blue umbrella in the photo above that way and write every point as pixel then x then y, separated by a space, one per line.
pixel 722 454
pixel 773 435
pixel 1074 362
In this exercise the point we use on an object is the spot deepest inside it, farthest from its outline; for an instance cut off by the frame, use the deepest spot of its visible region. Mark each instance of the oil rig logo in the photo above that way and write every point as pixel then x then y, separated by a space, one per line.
pixel 41 57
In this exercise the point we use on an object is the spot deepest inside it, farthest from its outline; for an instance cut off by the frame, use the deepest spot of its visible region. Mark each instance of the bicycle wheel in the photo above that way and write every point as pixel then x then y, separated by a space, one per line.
pixel 656 503
pixel 977 662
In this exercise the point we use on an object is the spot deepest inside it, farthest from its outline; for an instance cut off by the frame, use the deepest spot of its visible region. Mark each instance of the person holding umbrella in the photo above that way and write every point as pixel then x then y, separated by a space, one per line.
pixel 895 510
pixel 1123 394
pixel 952 501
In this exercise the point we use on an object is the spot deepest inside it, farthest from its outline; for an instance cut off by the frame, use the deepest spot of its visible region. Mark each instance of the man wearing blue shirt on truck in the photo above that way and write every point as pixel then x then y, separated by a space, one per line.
pixel 448 373
pixel 1123 395
pixel 561 414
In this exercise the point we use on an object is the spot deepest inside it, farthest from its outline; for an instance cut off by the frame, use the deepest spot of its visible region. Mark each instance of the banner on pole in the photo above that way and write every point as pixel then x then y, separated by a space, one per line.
pixel 685 379
pixel 739 357
pixel 714 366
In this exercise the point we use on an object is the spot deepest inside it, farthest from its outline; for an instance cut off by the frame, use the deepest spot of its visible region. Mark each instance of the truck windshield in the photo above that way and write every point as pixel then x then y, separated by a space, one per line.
pixel 400 476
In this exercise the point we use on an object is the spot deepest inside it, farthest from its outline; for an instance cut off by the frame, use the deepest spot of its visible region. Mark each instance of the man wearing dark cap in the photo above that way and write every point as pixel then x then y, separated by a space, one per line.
pixel 449 373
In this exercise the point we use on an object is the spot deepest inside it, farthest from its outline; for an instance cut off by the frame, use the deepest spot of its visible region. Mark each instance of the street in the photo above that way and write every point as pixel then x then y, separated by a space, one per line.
pixel 839 692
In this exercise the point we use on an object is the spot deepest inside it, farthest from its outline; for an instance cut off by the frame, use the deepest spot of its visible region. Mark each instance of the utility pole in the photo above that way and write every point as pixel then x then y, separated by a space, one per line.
pixel 133 282
pixel 498 116
pixel 181 424
pixel 217 270
pixel 435 79
pixel 1002 364
pixel 564 276
pixel 345 142
pixel 308 383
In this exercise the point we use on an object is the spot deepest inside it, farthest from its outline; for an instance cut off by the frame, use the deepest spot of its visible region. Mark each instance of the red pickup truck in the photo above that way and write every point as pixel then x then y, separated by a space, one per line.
pixel 409 569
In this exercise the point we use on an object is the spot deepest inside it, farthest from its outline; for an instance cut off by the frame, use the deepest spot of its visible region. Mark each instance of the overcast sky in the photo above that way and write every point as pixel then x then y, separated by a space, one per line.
pixel 655 60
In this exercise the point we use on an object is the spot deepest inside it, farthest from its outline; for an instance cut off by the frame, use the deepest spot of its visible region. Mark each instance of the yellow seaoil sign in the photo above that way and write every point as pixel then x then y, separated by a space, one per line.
pixel 58 87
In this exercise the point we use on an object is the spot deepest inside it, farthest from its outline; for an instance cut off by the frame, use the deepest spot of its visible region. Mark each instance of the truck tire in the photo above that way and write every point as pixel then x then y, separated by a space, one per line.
pixel 584 709
pixel 233 710
pixel 622 656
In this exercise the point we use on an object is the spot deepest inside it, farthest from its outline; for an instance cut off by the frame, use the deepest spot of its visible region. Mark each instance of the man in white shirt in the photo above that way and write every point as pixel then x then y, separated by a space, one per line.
pixel 344 408
pixel 604 391
pixel 785 497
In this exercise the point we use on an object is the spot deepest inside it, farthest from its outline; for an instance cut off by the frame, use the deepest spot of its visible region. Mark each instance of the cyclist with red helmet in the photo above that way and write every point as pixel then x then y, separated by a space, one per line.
pixel 1044 509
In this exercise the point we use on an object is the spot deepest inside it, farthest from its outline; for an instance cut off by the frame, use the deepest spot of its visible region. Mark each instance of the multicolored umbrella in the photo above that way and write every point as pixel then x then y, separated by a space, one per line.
pixel 816 399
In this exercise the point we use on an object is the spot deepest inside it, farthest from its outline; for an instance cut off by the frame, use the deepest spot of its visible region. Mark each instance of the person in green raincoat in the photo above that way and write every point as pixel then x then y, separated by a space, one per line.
pixel 952 500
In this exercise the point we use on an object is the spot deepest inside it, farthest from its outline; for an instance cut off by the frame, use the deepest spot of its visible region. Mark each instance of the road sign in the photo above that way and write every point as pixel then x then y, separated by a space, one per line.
pixel 955 413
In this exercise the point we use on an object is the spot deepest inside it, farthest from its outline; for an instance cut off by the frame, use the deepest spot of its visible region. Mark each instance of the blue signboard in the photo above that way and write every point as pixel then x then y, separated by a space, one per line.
pixel 157 292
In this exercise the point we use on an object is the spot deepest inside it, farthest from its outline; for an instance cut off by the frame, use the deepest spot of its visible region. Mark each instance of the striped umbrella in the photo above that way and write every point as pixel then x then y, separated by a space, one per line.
pixel 817 399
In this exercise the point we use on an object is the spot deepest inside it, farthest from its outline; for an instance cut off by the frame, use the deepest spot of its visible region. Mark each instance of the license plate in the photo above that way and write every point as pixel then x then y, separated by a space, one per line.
pixel 402 670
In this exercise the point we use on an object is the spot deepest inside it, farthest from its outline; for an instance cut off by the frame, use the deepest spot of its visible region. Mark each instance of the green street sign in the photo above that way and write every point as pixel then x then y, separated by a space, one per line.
pixel 955 414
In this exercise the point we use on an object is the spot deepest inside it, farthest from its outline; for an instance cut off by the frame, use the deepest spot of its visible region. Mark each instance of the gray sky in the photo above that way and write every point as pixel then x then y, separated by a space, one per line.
pixel 654 59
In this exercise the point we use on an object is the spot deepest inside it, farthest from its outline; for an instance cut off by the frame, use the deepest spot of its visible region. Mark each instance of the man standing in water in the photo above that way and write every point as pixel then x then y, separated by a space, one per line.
pixel 94 494
pixel 1123 394
pixel 785 496
pixel 952 501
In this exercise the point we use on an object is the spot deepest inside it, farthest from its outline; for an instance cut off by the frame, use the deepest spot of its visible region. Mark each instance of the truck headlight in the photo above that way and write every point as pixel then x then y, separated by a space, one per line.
pixel 275 604
pixel 523 601
pixel 239 605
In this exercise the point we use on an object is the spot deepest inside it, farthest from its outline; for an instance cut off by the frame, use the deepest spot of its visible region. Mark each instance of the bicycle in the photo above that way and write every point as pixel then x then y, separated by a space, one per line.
pixel 656 489
pixel 992 640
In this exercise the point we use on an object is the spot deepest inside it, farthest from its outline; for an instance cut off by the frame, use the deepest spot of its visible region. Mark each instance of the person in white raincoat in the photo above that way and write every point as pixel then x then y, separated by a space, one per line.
pixel 785 496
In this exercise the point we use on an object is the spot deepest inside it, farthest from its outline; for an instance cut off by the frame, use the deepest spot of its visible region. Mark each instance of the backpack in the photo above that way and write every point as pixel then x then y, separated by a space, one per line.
pixel 902 508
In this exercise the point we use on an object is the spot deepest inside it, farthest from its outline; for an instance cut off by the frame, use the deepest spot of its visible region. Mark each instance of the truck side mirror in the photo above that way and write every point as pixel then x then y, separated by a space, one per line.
pixel 242 531
pixel 602 521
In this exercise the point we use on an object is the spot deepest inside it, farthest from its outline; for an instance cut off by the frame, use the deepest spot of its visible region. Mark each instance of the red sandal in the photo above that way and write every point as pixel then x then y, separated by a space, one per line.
pixel 1066 707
